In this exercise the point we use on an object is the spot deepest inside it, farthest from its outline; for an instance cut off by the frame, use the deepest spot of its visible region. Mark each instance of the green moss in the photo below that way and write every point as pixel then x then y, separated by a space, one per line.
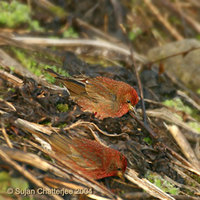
pixel 11 90
pixel 180 106
pixel 164 185
pixel 136 31
pixel 14 14
pixel 63 125
pixel 148 140
pixel 58 11
pixel 27 62
pixel 35 25
pixel 37 68
pixel 50 78
pixel 4 180
pixel 175 20
pixel 12 68
pixel 195 126
pixel 9 182
pixel 70 33
pixel 58 70
pixel 63 107
pixel 196 177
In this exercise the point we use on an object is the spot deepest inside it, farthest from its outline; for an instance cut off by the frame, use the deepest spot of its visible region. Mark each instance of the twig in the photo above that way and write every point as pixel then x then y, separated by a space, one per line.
pixel 26 174
pixel 9 143
pixel 182 162
pixel 117 11
pixel 184 145
pixel 169 116
pixel 54 9
pixel 96 31
pixel 184 15
pixel 7 60
pixel 188 99
pixel 180 85
pixel 186 176
pixel 139 84
pixel 10 105
pixel 173 55
pixel 167 25
pixel 146 127
pixel 32 160
pixel 195 3
pixel 132 176
pixel 134 69
pixel 77 42
pixel 87 124
pixel 97 137
pixel 10 78
pixel 172 152
pixel 181 186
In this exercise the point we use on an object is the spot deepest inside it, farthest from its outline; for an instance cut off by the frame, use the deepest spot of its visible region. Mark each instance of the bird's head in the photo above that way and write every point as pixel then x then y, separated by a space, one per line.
pixel 117 166
pixel 130 98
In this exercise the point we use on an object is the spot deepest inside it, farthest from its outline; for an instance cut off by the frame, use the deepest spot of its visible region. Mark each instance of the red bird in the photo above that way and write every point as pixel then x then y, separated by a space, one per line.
pixel 102 96
pixel 87 156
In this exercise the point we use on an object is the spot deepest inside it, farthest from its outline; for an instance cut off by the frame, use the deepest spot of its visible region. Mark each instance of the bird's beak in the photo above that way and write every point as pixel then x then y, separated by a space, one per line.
pixel 132 108
pixel 120 175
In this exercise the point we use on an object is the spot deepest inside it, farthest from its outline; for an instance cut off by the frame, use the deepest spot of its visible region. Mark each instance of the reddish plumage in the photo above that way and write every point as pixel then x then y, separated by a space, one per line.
pixel 88 156
pixel 103 96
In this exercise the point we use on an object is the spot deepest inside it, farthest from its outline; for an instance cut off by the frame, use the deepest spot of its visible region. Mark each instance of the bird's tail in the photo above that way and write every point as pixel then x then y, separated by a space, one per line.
pixel 53 73
pixel 74 86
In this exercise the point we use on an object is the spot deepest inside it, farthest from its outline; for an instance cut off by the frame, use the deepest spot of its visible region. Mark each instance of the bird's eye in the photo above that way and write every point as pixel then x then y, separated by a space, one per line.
pixel 119 169
pixel 128 101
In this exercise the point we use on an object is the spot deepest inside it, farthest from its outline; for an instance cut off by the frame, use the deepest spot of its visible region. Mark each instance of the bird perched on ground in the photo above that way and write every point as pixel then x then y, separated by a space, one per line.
pixel 87 156
pixel 102 96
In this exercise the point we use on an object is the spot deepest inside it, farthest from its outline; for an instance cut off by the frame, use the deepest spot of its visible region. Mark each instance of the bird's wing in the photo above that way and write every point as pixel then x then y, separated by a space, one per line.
pixel 73 151
pixel 102 93
pixel 75 87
